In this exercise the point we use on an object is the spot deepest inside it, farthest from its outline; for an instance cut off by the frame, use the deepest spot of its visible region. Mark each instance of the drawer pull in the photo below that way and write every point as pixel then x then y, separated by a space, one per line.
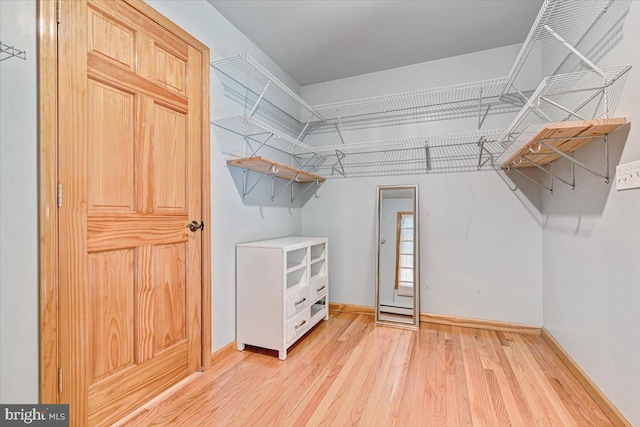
pixel 301 324
pixel 300 302
pixel 320 289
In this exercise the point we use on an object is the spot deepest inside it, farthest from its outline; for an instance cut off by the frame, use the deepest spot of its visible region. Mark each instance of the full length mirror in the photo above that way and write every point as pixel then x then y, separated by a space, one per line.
pixel 397 278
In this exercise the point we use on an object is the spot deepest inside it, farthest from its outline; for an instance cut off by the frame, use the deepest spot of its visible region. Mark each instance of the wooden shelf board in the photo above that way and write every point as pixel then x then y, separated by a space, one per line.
pixel 262 165
pixel 577 134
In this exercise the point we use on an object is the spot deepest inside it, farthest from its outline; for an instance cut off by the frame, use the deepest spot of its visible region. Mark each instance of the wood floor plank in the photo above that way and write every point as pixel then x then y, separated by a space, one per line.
pixel 348 371
pixel 566 386
pixel 481 412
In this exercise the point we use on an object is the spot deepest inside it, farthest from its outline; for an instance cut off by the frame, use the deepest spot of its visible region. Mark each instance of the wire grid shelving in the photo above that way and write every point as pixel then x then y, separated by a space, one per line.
pixel 561 25
pixel 7 52
pixel 243 136
pixel 583 95
pixel 256 78
pixel 571 20
pixel 455 101
pixel 469 151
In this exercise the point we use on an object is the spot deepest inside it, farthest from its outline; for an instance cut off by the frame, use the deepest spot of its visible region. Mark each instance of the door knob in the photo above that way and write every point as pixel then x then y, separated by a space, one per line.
pixel 194 226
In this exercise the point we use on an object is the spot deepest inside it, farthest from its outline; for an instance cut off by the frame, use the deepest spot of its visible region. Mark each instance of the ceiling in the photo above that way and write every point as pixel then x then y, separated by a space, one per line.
pixel 322 40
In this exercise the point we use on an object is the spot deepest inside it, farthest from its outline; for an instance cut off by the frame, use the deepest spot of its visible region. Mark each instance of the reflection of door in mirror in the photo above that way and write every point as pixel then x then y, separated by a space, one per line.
pixel 396 296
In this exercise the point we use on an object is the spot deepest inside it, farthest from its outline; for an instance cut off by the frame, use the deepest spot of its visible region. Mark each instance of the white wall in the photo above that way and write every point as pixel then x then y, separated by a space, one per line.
pixel 487 64
pixel 592 252
pixel 18 208
pixel 480 249
pixel 232 221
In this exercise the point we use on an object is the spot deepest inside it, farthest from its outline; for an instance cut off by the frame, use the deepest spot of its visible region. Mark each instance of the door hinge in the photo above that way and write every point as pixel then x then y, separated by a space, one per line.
pixel 59 195
pixel 59 380
pixel 58 11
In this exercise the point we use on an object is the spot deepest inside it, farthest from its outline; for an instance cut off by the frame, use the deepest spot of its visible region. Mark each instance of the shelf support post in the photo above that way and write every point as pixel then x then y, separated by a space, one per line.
pixel 245 181
pixel 575 51
pixel 339 155
pixel 302 134
pixel 273 196
pixel 587 168
pixel 273 187
pixel 255 106
pixel 549 189
pixel 311 184
pixel 534 106
pixel 481 144
pixel 550 173
pixel 555 104
pixel 262 145
pixel 427 156
pixel 339 128
pixel 313 156
pixel 479 108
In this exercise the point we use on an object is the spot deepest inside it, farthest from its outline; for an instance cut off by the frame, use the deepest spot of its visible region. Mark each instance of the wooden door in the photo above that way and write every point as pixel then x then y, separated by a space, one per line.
pixel 130 167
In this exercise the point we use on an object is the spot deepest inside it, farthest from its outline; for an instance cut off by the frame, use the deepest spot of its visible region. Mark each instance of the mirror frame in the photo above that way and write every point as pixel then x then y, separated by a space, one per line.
pixel 416 258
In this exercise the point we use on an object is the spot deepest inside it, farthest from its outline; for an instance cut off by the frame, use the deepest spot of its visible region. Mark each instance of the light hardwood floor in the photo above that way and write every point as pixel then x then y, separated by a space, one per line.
pixel 347 371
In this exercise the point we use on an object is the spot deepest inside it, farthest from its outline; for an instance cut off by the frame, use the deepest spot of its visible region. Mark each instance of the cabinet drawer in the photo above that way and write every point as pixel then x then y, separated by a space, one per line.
pixel 297 301
pixel 319 287
pixel 298 325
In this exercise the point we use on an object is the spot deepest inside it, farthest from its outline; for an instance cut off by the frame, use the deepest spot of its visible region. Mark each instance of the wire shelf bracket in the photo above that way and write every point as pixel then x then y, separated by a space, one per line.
pixel 573 161
pixel 8 52
pixel 538 183
pixel 575 51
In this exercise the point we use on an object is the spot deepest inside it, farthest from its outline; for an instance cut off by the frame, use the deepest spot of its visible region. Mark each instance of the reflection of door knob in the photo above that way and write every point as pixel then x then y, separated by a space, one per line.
pixel 194 226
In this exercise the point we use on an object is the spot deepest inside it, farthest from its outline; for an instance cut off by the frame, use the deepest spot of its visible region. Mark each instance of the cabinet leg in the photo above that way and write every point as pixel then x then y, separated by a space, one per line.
pixel 282 355
pixel 240 346
pixel 326 317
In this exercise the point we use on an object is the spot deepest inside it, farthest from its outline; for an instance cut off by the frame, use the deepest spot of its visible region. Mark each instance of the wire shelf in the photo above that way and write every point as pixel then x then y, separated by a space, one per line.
pixel 551 47
pixel 572 20
pixel 243 136
pixel 586 93
pixel 7 51
pixel 474 95
pixel 446 153
pixel 250 74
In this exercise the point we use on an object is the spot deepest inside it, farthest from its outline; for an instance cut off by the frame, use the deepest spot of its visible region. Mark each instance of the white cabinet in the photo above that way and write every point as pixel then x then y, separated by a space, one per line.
pixel 282 290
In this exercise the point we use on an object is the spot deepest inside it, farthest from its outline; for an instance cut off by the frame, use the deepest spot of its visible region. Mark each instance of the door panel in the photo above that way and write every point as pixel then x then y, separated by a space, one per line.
pixel 130 135
pixel 169 159
pixel 169 295
pixel 169 69
pixel 111 38
pixel 112 294
pixel 112 149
